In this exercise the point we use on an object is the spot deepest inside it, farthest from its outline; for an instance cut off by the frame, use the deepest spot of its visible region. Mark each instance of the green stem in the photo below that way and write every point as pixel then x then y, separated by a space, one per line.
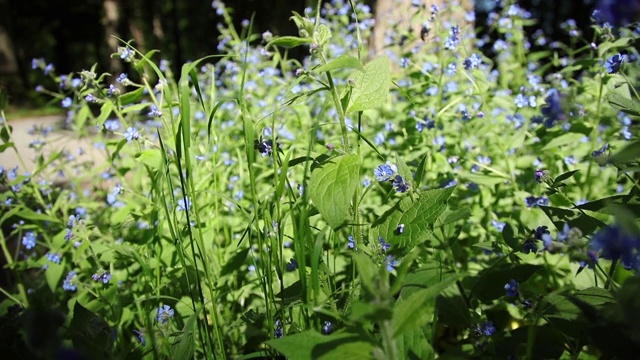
pixel 341 113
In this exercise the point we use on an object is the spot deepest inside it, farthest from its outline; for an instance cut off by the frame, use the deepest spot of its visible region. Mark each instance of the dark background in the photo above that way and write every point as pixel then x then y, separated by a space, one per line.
pixel 71 34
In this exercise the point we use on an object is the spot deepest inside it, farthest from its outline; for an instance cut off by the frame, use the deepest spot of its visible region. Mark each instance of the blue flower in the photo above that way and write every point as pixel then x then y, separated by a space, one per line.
pixel 452 41
pixel 552 110
pixel 327 327
pixel 385 245
pixel 613 64
pixel 613 243
pixel 487 328
pixel 131 134
pixel 66 102
pixel 600 151
pixel 351 243
pixel 540 175
pixel 69 283
pixel 512 288
pixel 498 225
pixel 112 124
pixel 383 172
pixel 472 62
pixel 292 265
pixel 105 277
pixel 54 257
pixel 400 229
pixel 29 240
pixel 390 263
pixel 400 185
pixel 164 314
pixel 140 337
pixel 279 331
pixel 184 204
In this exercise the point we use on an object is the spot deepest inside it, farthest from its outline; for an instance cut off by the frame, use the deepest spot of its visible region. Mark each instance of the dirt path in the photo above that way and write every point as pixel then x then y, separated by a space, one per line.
pixel 56 140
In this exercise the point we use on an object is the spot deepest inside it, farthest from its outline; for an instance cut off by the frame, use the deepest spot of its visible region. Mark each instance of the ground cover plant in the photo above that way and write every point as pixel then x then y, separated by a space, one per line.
pixel 431 201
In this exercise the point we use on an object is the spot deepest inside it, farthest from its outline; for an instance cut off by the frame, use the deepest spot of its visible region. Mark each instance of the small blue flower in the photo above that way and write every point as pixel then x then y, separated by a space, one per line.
pixel 600 151
pixel 452 41
pixel 131 134
pixel 613 243
pixel 487 328
pixel 400 229
pixel 279 331
pixel 351 243
pixel 383 244
pixel 69 283
pixel 327 327
pixel 292 265
pixel 552 110
pixel 512 288
pixel 498 225
pixel 383 172
pixel 66 102
pixel 54 257
pixel 400 185
pixel 164 314
pixel 184 204
pixel 472 62
pixel 390 263
pixel 140 337
pixel 613 64
pixel 29 240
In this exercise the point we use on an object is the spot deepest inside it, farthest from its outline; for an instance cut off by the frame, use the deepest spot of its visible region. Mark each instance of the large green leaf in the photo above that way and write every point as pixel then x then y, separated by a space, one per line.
pixel 418 217
pixel 184 346
pixel 409 313
pixel 371 86
pixel 352 344
pixel 623 103
pixel 341 62
pixel 564 139
pixel 332 187
pixel 90 335
pixel 489 283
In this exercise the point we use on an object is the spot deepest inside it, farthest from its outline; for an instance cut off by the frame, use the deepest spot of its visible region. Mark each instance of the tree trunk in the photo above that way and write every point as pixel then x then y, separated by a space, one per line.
pixel 398 16
pixel 136 26
pixel 8 63
pixel 110 22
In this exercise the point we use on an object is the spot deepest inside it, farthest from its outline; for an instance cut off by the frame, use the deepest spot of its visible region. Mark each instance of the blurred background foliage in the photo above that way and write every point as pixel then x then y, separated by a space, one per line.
pixel 75 34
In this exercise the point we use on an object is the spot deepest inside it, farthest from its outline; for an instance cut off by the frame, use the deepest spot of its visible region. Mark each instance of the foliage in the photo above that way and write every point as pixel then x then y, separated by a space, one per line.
pixel 428 202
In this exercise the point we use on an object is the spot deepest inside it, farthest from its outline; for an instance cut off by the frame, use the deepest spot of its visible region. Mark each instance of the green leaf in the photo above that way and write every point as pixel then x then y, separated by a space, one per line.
pixel 341 62
pixel 371 86
pixel 353 344
pixel 564 139
pixel 235 262
pixel 489 283
pixel 90 335
pixel 418 217
pixel 623 103
pixel 630 153
pixel 289 41
pixel 562 177
pixel 184 346
pixel 509 237
pixel 5 133
pixel 322 34
pixel 53 274
pixel 406 314
pixel 557 306
pixel 481 179
pixel 29 214
pixel 150 157
pixel 415 344
pixel 132 96
pixel 332 187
